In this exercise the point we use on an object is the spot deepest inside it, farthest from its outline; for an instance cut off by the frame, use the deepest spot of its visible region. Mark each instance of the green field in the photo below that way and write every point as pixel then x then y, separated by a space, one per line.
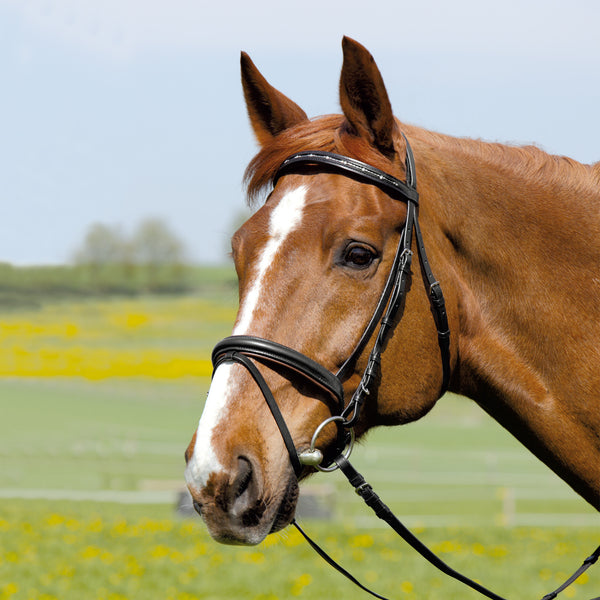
pixel 91 472
pixel 76 550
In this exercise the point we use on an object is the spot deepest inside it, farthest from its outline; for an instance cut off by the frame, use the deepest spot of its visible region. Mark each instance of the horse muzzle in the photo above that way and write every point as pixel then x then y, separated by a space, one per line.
pixel 238 508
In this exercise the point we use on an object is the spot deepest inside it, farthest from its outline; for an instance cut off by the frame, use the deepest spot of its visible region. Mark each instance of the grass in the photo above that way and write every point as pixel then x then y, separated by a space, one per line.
pixel 123 435
pixel 456 477
pixel 64 551
pixel 79 435
pixel 458 466
pixel 157 337
pixel 455 467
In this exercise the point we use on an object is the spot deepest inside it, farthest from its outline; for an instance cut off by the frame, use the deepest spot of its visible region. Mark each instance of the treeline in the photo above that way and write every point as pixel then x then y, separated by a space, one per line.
pixel 111 262
pixel 32 286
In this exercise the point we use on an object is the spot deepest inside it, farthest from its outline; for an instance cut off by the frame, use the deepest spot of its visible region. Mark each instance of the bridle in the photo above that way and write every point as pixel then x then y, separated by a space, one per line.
pixel 247 350
pixel 244 349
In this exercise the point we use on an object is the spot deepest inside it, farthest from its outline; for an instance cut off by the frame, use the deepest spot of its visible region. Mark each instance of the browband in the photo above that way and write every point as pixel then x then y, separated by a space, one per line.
pixel 390 184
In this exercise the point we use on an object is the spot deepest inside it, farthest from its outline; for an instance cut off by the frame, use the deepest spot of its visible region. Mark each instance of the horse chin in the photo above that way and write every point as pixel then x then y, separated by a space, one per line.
pixel 287 507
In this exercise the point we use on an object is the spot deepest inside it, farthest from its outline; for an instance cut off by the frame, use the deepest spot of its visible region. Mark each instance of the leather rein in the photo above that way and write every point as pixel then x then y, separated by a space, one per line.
pixel 248 350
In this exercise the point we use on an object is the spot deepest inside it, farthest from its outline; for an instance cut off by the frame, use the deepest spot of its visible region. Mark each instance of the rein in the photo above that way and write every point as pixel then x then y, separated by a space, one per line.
pixel 246 350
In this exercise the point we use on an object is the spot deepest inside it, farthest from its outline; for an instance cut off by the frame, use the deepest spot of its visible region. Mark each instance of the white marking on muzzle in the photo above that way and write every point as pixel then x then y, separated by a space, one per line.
pixel 284 219
pixel 204 461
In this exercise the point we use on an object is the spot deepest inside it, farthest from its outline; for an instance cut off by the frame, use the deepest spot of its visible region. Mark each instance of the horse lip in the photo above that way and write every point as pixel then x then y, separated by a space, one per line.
pixel 245 529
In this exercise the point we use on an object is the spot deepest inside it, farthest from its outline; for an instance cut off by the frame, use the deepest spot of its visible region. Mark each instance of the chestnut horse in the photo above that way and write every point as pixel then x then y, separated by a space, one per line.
pixel 513 236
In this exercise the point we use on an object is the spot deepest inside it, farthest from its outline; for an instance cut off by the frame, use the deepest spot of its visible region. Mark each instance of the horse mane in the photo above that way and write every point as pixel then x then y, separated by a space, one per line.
pixel 331 133
pixel 529 162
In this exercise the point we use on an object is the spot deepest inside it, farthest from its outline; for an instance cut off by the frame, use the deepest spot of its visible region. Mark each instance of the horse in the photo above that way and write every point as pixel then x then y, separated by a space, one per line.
pixel 513 237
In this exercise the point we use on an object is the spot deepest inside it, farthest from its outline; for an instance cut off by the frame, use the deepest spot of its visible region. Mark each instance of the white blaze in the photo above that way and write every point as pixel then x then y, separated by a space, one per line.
pixel 204 461
pixel 284 219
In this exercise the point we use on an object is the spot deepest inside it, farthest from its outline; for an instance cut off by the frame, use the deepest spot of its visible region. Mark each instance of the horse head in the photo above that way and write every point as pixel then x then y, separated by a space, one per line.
pixel 312 263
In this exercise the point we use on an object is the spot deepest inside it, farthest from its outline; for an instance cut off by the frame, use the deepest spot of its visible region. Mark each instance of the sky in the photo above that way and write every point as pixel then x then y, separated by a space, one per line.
pixel 115 111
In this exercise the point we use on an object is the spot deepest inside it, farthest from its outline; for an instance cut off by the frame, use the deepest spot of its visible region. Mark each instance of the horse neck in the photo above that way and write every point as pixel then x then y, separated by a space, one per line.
pixel 519 243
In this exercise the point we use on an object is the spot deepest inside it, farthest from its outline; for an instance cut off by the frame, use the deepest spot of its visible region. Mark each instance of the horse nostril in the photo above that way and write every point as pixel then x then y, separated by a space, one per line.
pixel 244 494
pixel 243 477
pixel 198 507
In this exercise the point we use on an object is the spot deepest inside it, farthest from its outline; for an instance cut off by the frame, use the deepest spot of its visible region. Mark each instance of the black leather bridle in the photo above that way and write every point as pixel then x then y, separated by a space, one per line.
pixel 244 349
pixel 247 350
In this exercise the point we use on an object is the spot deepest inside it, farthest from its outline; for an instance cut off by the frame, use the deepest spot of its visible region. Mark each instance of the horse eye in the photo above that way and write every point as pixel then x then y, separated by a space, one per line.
pixel 359 256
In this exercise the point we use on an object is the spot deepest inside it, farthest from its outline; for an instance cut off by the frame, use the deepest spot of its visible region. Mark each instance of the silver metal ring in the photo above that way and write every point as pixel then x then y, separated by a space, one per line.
pixel 347 450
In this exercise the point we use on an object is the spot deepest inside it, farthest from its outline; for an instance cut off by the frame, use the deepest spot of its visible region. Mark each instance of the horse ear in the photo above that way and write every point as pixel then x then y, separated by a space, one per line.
pixel 364 99
pixel 269 110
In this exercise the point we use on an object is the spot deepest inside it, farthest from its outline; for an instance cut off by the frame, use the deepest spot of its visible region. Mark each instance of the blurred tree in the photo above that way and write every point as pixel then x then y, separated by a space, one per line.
pixel 160 256
pixel 152 259
pixel 155 244
pixel 102 245
pixel 105 259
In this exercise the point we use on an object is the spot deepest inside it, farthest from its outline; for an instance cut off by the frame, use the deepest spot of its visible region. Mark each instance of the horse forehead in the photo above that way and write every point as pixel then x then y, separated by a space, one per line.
pixel 287 214
pixel 327 204
pixel 267 231
pixel 274 220
pixel 311 202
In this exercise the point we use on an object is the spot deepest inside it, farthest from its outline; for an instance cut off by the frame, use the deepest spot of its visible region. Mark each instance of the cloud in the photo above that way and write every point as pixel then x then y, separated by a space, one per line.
pixel 123 29
pixel 118 29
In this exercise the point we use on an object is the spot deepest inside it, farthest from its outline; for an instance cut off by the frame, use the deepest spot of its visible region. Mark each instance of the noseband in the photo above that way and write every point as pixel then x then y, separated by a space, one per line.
pixel 245 349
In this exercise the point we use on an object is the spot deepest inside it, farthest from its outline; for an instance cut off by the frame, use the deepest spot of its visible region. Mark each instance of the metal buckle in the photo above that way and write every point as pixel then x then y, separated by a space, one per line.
pixel 433 286
pixel 363 488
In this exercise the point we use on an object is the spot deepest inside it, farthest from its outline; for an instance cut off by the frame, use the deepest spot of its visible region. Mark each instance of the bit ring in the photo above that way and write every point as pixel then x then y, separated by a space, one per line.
pixel 347 451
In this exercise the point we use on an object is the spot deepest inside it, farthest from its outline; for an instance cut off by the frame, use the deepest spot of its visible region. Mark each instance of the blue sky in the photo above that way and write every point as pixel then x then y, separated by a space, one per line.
pixel 117 110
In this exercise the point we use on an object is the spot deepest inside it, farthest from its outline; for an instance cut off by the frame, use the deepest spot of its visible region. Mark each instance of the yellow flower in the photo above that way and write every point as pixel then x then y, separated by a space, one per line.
pixel 498 551
pixel 133 567
pixel 66 571
pixel 447 547
pixel 119 528
pixel 96 525
pixel 478 549
pixel 362 541
pixel 90 552
pixel 407 587
pixel 9 589
pixel 160 551
pixel 107 557
pixel 54 520
pixel 358 555
pixel 300 583
pixel 186 596
pixel 252 558
pixel 90 343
